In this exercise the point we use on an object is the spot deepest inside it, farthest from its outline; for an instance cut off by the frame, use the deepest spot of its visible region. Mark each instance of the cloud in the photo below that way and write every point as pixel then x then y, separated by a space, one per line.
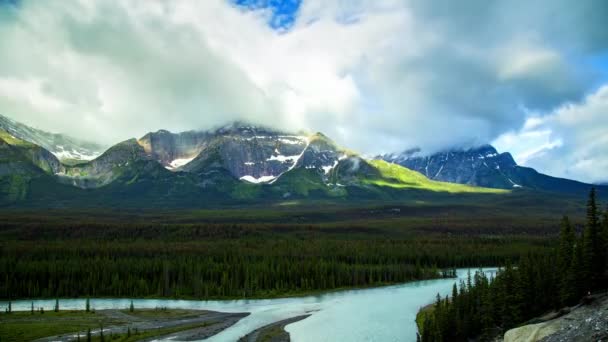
pixel 569 142
pixel 377 76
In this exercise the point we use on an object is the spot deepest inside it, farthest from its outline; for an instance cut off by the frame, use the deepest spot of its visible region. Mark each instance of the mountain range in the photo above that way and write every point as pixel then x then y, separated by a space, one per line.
pixel 241 163
pixel 482 166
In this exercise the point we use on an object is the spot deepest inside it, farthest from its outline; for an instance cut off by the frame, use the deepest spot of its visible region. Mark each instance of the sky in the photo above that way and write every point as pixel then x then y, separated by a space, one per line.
pixel 530 77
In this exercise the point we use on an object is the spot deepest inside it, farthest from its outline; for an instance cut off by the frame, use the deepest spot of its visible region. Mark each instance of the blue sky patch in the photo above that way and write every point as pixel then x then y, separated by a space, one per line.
pixel 9 2
pixel 284 12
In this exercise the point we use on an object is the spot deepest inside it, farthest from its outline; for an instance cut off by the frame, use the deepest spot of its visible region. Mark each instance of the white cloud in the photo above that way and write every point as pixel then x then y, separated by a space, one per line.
pixel 377 76
pixel 569 142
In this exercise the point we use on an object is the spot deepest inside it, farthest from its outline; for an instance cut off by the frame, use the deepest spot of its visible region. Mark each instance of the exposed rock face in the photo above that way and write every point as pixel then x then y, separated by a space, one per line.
pixel 62 146
pixel 45 160
pixel 257 155
pixel 587 322
pixel 247 152
pixel 482 166
pixel 167 147
pixel 321 155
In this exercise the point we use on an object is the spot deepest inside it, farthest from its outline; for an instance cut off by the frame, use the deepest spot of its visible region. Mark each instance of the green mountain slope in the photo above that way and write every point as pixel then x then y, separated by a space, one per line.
pixel 399 177
pixel 20 163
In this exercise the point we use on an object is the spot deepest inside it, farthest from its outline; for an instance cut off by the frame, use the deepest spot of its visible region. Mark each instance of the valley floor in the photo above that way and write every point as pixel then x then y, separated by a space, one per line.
pixel 121 325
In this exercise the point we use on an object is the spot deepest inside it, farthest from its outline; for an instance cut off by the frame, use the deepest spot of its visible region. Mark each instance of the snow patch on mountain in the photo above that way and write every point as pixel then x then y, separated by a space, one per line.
pixel 327 169
pixel 263 179
pixel 292 140
pixel 284 159
pixel 62 153
pixel 177 163
pixel 296 160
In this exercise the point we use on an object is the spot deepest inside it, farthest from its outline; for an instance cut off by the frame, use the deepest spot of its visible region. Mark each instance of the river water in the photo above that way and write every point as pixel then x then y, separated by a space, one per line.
pixel 376 314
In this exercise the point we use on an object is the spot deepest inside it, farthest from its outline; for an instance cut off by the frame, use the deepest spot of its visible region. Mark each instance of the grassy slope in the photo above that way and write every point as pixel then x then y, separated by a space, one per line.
pixel 11 140
pixel 24 326
pixel 395 176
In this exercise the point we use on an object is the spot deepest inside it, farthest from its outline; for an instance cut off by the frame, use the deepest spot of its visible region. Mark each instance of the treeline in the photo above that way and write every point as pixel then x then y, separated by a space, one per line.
pixel 483 307
pixel 235 268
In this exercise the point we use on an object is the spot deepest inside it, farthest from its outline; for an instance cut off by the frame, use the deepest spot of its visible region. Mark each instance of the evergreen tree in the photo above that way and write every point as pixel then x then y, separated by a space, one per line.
pixel 578 270
pixel 481 309
pixel 10 307
pixel 88 305
pixel 567 241
pixel 32 312
pixel 56 305
pixel 131 307
pixel 605 240
pixel 593 260
pixel 89 335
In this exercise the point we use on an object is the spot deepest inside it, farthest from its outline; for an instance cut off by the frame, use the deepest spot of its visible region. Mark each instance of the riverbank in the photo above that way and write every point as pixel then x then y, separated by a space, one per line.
pixel 384 313
pixel 144 324
pixel 274 332
pixel 267 296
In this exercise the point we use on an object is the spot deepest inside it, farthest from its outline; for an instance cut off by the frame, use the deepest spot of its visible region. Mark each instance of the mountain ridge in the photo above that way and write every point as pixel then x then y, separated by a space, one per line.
pixel 62 146
pixel 482 166
pixel 235 163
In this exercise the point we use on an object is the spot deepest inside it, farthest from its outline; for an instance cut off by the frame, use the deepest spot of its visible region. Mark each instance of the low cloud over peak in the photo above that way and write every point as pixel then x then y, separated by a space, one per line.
pixel 377 76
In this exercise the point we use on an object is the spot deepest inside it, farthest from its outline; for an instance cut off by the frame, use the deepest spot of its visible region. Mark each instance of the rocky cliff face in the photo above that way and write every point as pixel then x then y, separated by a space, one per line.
pixel 62 146
pixel 254 154
pixel 174 150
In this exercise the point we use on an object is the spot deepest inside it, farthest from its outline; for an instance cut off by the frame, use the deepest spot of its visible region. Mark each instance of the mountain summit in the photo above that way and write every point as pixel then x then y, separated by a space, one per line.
pixel 482 166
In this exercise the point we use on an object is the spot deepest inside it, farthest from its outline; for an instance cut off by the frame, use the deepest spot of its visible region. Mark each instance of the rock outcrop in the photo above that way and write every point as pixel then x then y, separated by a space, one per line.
pixel 584 322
